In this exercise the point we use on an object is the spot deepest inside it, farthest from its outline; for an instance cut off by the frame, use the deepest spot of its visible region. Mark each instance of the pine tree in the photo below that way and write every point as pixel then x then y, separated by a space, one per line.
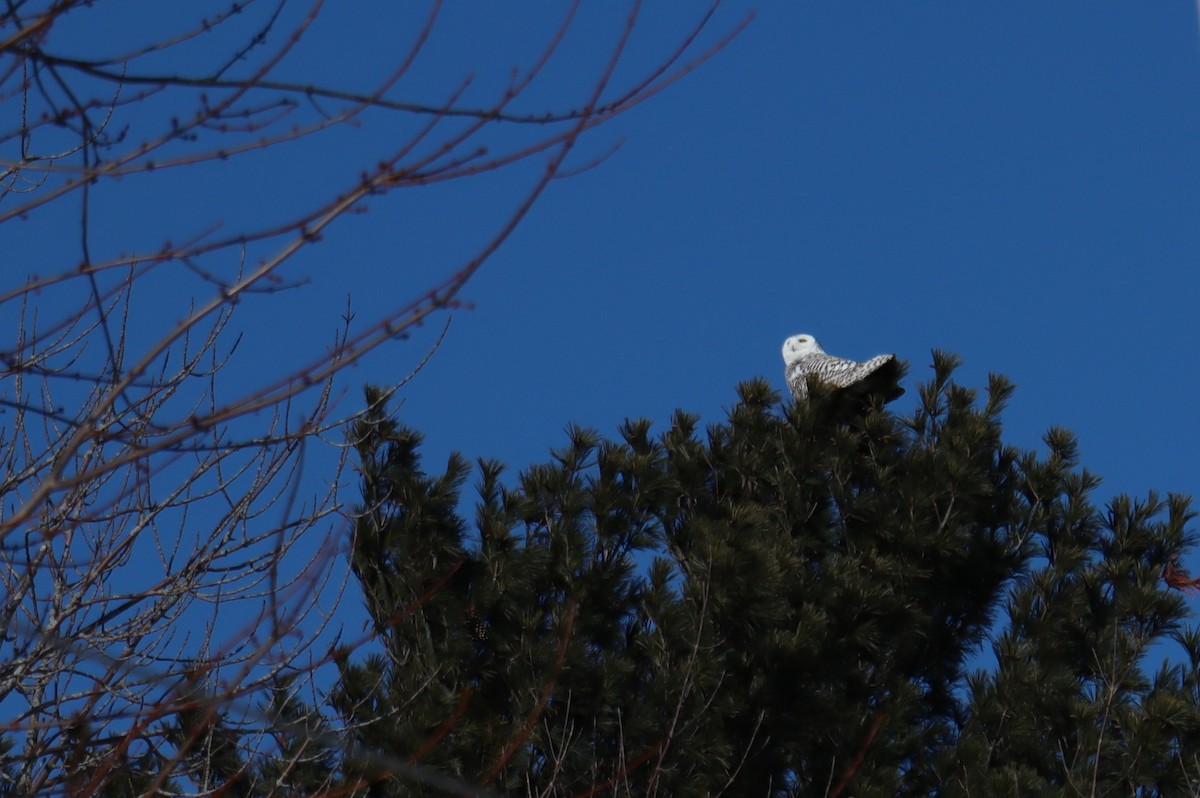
pixel 792 602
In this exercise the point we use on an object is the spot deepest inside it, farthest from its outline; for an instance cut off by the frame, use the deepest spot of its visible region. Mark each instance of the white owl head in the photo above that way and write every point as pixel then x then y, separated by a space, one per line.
pixel 799 346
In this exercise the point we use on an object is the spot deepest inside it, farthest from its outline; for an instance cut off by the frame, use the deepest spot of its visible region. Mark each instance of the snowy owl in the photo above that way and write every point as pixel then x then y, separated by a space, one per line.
pixel 804 358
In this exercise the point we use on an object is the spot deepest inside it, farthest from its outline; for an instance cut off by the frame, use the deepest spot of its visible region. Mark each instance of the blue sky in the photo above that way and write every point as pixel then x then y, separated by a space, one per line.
pixel 1017 183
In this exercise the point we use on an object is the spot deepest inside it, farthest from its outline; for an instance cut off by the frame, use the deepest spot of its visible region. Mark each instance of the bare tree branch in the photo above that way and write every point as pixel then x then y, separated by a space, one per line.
pixel 172 532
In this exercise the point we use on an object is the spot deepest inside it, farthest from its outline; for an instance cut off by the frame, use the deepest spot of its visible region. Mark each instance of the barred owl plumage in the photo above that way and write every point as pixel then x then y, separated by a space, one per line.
pixel 805 360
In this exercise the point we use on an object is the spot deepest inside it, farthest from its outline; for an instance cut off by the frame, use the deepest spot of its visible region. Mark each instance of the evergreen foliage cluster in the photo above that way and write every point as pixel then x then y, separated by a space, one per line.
pixel 791 603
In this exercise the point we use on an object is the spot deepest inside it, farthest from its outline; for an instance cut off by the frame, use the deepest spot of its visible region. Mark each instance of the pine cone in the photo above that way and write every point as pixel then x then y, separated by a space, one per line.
pixel 479 629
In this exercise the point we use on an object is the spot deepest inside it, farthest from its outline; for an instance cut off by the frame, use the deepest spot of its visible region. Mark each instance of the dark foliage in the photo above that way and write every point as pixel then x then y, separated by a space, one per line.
pixel 798 601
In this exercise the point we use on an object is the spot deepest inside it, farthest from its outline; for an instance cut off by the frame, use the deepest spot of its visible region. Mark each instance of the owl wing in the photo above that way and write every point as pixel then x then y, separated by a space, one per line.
pixel 880 374
pixel 833 372
pixel 837 372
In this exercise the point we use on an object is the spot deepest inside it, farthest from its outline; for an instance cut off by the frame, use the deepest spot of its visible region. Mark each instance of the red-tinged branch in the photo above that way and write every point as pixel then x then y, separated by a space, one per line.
pixel 1177 576
pixel 856 763
pixel 543 699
